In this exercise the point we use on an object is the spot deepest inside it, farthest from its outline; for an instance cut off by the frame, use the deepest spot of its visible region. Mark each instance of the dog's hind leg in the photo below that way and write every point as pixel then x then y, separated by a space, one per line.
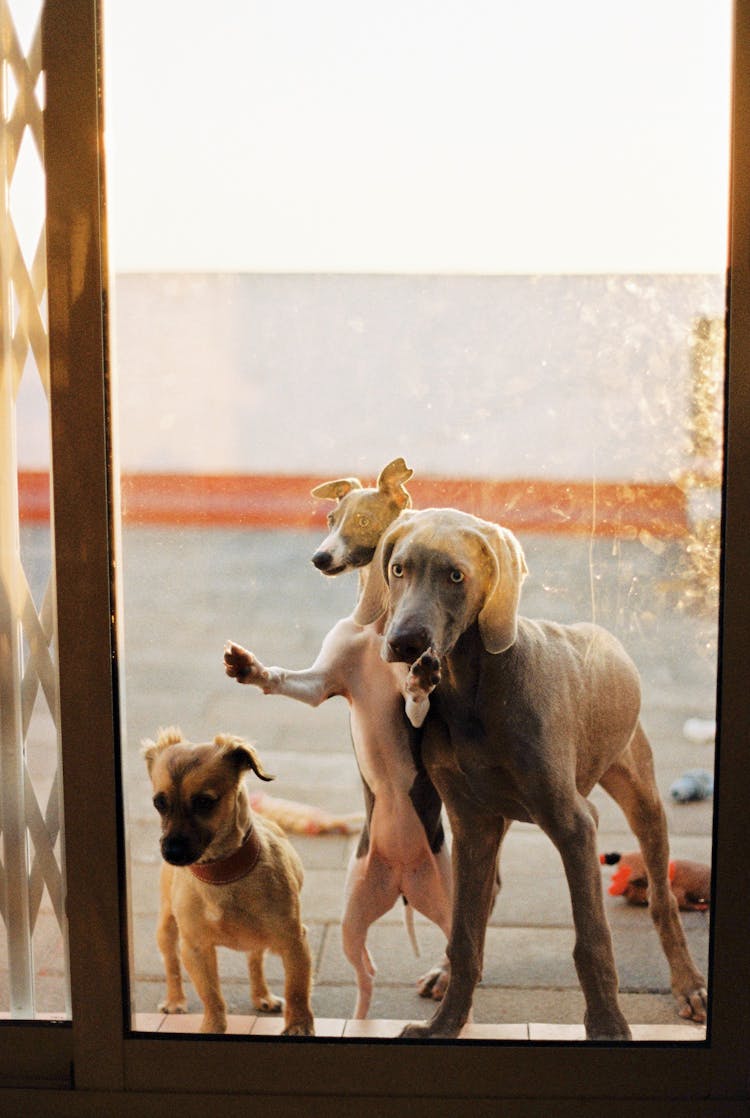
pixel 371 890
pixel 631 782
pixel 429 890
pixel 262 997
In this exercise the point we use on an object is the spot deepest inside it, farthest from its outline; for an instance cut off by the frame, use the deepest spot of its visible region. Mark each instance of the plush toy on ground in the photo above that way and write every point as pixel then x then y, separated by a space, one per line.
pixel 696 784
pixel 304 819
pixel 690 881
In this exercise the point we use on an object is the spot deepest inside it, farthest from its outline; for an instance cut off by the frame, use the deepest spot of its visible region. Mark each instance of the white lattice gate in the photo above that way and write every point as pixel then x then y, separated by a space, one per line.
pixel 33 973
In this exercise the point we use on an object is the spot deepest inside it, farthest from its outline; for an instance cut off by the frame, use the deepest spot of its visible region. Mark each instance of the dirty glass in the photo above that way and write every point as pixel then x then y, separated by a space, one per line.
pixel 489 241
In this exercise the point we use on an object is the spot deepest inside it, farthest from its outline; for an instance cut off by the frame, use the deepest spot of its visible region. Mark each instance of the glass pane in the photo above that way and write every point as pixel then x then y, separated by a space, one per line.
pixel 33 950
pixel 489 240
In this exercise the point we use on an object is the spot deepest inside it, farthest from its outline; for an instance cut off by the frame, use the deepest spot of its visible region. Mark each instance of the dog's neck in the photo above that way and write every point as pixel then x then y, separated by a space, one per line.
pixel 232 867
pixel 363 574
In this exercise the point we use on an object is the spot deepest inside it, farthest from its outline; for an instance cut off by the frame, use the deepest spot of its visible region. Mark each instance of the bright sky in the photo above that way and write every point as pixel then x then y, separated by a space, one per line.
pixel 418 135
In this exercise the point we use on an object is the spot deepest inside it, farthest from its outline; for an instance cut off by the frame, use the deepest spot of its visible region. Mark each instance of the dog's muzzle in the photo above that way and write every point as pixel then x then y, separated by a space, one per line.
pixel 323 560
pixel 405 644
pixel 177 850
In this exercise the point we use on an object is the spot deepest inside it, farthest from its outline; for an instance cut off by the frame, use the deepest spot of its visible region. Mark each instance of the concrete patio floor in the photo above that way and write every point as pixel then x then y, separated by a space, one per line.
pixel 187 591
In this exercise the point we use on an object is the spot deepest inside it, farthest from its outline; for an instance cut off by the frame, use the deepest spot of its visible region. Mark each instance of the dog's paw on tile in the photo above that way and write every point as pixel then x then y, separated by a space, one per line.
pixel 173 1007
pixel 269 1004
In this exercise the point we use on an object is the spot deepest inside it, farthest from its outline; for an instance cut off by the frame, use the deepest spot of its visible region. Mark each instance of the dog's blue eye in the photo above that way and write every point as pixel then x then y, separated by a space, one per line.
pixel 397 570
pixel 160 802
pixel 203 804
pixel 457 576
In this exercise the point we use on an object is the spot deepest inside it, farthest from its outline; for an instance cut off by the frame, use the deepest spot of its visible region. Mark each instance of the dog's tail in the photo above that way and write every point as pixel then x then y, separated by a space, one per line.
pixel 409 925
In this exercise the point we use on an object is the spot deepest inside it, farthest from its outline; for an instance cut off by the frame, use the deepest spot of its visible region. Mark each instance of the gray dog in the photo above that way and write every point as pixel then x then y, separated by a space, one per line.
pixel 526 718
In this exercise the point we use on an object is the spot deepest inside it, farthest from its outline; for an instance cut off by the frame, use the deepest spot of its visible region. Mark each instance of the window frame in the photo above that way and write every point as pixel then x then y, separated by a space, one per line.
pixel 96 1056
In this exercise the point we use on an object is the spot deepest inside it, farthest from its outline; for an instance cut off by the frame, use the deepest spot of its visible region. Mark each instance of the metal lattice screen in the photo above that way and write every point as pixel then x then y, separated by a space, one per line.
pixel 33 968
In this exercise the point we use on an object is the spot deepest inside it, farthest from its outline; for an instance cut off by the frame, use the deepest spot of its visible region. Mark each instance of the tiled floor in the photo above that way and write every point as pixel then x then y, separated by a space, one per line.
pixel 384 1029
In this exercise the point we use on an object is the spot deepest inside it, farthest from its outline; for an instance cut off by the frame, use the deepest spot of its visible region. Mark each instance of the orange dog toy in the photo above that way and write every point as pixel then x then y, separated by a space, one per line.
pixel 302 819
pixel 690 881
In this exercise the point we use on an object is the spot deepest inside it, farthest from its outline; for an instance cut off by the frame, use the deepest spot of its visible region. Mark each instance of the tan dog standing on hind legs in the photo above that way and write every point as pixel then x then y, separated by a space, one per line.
pixel 402 852
pixel 527 717
pixel 228 880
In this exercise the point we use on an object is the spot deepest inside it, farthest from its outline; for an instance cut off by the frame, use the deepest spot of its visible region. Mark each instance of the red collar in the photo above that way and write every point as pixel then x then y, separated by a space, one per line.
pixel 232 868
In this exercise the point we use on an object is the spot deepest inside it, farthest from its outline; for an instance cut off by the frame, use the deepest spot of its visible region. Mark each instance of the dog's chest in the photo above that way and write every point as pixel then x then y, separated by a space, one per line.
pixel 234 923
pixel 488 751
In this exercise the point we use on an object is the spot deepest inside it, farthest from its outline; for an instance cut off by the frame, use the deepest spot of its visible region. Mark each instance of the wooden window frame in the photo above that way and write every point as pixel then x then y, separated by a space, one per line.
pixel 95 1061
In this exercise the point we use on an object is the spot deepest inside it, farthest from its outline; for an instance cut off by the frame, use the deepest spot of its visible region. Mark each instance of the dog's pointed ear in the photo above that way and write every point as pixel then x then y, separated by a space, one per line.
pixel 336 490
pixel 150 750
pixel 392 480
pixel 498 618
pixel 241 755
pixel 373 601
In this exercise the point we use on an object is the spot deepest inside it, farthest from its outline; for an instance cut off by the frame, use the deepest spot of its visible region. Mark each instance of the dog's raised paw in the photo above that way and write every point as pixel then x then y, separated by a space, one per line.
pixel 241 665
pixel 424 674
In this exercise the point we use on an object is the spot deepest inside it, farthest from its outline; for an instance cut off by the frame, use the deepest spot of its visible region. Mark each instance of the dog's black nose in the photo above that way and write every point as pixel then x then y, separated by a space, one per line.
pixel 176 850
pixel 322 560
pixel 407 645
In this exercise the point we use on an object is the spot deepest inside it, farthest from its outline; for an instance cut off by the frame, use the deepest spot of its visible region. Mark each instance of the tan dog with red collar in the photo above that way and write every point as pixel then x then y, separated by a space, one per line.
pixel 229 879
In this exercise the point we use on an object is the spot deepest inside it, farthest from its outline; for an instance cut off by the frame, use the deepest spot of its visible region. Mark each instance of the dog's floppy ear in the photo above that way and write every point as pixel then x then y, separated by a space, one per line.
pixel 241 755
pixel 336 490
pixel 373 601
pixel 498 618
pixel 392 479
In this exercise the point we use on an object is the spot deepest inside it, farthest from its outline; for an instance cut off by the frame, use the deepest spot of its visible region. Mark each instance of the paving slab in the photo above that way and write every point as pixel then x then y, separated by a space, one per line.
pixel 260 589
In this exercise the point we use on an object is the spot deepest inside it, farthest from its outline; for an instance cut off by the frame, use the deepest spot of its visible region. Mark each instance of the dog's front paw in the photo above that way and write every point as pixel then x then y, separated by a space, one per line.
pixel 421 680
pixel 241 665
pixel 305 1027
pixel 432 1030
pixel 416 1032
pixel 423 676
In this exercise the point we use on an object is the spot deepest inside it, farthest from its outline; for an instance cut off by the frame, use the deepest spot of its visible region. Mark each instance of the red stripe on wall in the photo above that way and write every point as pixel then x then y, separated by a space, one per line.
pixel 258 501
pixel 33 495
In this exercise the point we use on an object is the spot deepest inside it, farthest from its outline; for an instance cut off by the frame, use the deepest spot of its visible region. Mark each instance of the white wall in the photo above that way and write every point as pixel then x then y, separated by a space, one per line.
pixel 501 377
